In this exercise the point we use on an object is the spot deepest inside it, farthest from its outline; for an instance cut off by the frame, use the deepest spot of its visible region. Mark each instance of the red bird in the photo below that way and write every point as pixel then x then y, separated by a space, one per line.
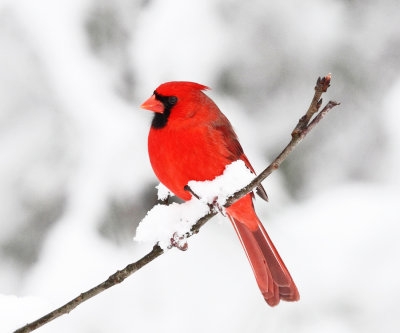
pixel 191 139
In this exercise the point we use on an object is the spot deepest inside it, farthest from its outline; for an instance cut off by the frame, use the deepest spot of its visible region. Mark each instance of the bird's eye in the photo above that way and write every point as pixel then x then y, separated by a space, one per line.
pixel 172 100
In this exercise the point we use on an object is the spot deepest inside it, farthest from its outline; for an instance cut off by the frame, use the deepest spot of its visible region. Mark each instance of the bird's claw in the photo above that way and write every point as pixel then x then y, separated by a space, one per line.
pixel 179 242
pixel 215 204
pixel 212 205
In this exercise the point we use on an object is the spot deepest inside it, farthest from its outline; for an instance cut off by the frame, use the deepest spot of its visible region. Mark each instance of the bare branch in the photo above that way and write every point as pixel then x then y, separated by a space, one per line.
pixel 321 86
pixel 114 279
pixel 298 134
pixel 303 127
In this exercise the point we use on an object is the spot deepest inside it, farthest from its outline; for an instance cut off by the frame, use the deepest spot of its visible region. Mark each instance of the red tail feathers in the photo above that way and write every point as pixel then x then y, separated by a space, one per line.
pixel 271 274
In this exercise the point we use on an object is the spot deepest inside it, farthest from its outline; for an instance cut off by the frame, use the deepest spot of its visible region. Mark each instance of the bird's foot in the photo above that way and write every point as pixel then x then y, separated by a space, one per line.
pixel 215 205
pixel 179 242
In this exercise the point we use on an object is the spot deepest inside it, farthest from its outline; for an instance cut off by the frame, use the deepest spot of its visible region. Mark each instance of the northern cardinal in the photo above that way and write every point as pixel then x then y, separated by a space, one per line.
pixel 191 139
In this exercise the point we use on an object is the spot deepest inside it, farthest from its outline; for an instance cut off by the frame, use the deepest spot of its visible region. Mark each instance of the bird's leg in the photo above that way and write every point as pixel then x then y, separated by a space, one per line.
pixel 187 188
pixel 212 205
pixel 216 204
pixel 179 242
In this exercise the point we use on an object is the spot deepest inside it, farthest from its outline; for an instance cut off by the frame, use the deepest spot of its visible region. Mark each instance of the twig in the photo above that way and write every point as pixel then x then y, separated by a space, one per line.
pixel 114 279
pixel 281 157
pixel 303 127
pixel 321 86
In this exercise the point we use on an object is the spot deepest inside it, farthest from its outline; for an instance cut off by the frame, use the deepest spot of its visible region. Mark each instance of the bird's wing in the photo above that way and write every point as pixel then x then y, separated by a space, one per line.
pixel 236 151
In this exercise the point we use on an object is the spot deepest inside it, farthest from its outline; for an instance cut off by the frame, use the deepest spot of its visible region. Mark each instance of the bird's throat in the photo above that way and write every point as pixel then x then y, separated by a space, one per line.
pixel 160 120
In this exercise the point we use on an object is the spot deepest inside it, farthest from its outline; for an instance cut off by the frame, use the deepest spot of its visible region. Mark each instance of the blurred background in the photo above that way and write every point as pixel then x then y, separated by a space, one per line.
pixel 76 180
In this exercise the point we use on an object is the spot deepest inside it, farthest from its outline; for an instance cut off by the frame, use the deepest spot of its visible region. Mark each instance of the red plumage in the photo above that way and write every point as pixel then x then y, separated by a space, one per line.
pixel 191 139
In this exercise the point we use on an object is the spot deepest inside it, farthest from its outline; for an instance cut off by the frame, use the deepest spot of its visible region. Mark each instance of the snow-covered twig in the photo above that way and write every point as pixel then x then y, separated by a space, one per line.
pixel 303 127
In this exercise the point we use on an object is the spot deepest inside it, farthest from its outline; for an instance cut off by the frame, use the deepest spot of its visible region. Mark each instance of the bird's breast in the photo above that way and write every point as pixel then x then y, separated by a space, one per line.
pixel 179 155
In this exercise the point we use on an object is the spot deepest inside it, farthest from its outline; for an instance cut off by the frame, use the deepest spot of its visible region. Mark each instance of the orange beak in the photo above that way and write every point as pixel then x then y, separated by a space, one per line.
pixel 153 105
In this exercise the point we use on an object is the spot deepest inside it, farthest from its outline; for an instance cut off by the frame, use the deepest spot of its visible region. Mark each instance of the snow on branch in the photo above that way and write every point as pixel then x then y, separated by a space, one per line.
pixel 163 192
pixel 162 222
pixel 177 220
pixel 185 217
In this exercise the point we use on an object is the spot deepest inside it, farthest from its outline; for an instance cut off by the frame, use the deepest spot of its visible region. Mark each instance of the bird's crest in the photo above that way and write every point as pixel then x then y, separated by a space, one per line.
pixel 178 87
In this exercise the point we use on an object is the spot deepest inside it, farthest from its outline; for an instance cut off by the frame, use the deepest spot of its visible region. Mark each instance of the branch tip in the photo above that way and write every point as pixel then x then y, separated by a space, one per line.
pixel 323 83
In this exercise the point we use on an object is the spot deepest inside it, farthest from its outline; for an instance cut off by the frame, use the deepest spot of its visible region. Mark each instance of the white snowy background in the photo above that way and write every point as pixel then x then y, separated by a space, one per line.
pixel 75 178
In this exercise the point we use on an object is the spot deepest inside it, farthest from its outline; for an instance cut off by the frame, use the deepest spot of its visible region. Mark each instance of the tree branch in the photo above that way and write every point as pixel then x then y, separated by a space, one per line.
pixel 303 127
